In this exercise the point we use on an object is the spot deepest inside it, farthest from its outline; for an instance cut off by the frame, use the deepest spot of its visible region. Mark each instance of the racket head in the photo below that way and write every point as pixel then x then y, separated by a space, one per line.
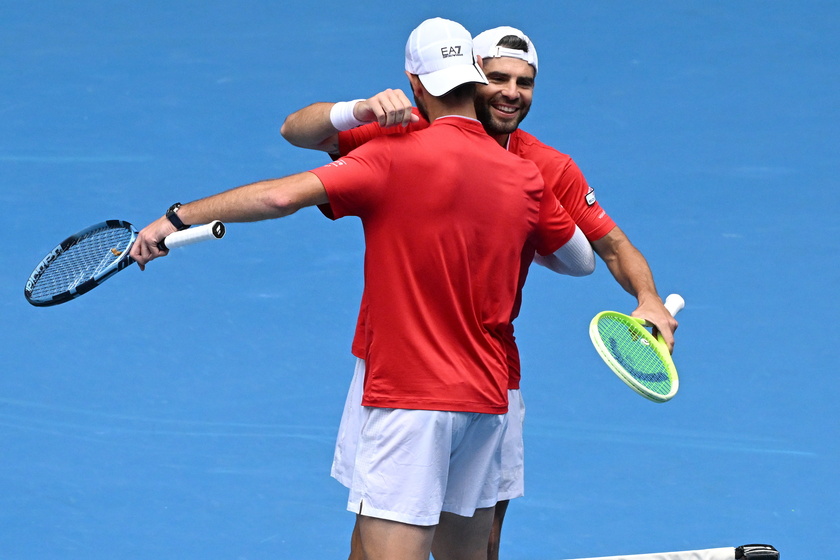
pixel 80 263
pixel 639 359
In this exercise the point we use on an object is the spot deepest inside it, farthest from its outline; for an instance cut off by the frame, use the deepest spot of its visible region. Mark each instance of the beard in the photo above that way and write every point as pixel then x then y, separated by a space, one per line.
pixel 421 108
pixel 494 125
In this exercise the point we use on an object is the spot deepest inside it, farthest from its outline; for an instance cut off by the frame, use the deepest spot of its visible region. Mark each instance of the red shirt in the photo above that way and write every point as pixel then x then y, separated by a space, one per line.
pixel 566 182
pixel 446 213
pixel 562 177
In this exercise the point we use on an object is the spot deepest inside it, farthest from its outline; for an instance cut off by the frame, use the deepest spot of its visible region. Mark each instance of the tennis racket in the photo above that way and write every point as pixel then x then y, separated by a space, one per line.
pixel 639 359
pixel 85 260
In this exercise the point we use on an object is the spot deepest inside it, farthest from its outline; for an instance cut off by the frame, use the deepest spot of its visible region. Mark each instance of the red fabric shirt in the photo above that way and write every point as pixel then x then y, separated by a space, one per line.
pixel 446 213
pixel 566 182
pixel 562 177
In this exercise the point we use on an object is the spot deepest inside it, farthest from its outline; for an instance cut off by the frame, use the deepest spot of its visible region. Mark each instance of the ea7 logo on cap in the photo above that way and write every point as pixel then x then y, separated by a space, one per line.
pixel 454 50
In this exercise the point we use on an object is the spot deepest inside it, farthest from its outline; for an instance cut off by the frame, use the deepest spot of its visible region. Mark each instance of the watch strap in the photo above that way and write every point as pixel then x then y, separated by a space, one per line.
pixel 174 219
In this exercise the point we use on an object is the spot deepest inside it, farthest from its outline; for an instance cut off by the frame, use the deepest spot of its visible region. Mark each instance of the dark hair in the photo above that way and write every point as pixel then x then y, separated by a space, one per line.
pixel 513 42
pixel 464 92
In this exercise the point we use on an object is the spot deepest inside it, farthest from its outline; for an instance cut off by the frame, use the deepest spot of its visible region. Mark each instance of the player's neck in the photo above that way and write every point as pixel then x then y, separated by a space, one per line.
pixel 437 109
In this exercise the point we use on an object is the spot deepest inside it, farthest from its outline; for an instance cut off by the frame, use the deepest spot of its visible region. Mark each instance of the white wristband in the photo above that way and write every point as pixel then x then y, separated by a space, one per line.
pixel 341 115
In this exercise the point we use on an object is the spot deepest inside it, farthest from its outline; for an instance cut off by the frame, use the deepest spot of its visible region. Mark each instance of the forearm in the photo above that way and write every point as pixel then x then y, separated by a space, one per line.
pixel 317 126
pixel 263 200
pixel 632 272
pixel 311 128
pixel 627 265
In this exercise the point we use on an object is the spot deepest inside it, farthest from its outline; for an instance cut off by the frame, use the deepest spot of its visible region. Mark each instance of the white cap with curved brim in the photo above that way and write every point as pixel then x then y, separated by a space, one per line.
pixel 486 45
pixel 440 52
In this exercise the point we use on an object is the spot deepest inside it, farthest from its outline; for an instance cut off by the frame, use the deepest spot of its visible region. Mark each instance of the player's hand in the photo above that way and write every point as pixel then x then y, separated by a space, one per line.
pixel 655 313
pixel 146 248
pixel 389 108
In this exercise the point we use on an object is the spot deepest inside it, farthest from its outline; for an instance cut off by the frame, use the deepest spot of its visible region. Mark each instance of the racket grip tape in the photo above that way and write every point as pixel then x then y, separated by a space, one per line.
pixel 197 234
pixel 674 304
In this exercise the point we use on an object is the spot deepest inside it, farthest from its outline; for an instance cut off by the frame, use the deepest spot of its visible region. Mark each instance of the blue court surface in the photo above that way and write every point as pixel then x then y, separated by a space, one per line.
pixel 190 411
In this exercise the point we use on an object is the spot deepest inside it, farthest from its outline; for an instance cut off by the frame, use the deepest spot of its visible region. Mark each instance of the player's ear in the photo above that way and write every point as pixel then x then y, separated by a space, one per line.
pixel 416 86
pixel 479 61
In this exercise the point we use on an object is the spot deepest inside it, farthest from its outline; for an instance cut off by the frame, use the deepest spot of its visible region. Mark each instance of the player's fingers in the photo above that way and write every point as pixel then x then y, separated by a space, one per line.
pixel 669 341
pixel 146 248
pixel 364 111
pixel 375 109
pixel 392 108
pixel 662 326
pixel 138 255
pixel 151 251
pixel 386 117
pixel 405 115
pixel 668 333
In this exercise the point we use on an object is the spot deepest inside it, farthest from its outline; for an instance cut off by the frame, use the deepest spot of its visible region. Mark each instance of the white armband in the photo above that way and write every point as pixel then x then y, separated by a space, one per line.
pixel 341 115
pixel 575 258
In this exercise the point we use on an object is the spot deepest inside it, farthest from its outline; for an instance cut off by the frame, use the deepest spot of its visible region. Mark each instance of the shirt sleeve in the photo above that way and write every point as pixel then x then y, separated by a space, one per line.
pixel 578 198
pixel 349 140
pixel 354 183
pixel 555 227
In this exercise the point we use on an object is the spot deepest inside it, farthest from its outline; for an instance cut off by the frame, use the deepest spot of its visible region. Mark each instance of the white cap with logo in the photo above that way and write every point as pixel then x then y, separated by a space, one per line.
pixel 487 45
pixel 440 52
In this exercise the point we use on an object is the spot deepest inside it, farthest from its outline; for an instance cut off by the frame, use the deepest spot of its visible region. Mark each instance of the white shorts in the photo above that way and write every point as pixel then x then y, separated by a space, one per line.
pixel 413 464
pixel 512 483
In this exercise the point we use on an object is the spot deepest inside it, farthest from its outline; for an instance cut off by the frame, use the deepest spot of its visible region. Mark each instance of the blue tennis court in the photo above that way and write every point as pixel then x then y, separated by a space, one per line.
pixel 190 411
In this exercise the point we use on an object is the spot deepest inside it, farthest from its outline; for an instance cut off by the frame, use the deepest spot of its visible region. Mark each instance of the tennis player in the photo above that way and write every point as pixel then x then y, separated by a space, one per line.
pixel 511 64
pixel 447 216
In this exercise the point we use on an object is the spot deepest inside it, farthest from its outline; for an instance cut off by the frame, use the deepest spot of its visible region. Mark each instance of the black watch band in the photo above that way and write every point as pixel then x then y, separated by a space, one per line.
pixel 172 216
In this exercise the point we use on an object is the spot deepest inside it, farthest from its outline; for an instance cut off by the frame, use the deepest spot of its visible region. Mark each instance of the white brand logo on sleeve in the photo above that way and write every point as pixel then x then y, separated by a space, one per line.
pixel 590 196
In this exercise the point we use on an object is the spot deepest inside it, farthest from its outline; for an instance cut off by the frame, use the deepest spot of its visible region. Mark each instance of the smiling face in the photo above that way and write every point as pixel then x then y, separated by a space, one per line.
pixel 503 103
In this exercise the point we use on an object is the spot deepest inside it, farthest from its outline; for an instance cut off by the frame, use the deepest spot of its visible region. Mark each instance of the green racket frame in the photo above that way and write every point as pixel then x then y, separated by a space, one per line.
pixel 638 358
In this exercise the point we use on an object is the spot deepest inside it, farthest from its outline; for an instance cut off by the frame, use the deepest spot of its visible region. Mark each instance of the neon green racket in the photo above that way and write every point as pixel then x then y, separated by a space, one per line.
pixel 639 359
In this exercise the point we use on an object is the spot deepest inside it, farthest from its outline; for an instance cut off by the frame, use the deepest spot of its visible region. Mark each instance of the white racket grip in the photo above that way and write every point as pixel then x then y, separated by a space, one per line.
pixel 674 304
pixel 197 234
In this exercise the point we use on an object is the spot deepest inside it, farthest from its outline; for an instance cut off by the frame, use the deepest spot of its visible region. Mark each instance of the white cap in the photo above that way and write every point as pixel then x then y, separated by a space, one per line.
pixel 487 45
pixel 440 52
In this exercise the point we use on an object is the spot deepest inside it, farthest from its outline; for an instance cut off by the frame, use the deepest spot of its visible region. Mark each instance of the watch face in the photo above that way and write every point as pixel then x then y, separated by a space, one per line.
pixel 173 208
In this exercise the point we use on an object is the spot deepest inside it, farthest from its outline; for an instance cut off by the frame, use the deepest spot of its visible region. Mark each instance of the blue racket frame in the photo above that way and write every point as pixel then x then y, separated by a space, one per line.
pixel 84 272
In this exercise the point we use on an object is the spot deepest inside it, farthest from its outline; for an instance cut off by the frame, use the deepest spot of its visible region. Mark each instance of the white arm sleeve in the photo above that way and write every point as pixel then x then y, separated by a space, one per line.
pixel 575 258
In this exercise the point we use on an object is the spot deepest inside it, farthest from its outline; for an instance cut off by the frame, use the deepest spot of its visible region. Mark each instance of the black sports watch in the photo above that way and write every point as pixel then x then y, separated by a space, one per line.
pixel 172 216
